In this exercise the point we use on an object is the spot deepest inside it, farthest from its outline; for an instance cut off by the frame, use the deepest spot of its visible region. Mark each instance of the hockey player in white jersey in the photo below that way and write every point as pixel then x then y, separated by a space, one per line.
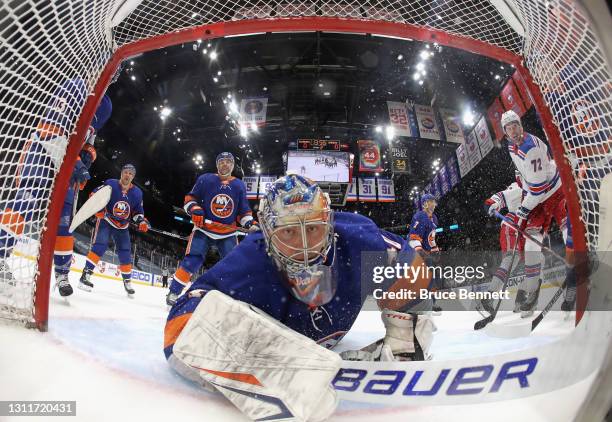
pixel 542 201
pixel 512 247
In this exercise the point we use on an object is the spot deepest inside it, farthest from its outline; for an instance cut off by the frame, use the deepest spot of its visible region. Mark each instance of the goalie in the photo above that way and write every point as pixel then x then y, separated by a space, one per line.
pixel 253 326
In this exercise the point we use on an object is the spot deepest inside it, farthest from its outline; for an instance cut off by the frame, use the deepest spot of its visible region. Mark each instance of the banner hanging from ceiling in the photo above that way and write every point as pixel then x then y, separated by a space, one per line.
pixel 369 156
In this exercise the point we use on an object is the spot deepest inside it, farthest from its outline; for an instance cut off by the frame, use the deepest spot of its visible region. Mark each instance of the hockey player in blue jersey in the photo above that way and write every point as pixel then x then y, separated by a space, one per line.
pixel 216 203
pixel 252 326
pixel 124 206
pixel 64 242
pixel 422 233
pixel 41 157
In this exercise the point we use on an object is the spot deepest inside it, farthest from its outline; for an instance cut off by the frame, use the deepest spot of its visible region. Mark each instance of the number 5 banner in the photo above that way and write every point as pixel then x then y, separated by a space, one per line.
pixel 251 186
pixel 369 156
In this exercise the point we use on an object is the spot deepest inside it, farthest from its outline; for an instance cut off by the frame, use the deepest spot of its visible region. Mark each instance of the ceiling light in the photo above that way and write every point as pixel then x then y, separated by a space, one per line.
pixel 416 76
pixel 420 82
pixel 218 73
pixel 132 63
pixel 213 55
pixel 265 88
pixel 199 157
pixel 400 56
pixel 327 93
pixel 216 79
pixel 420 66
pixel 378 129
pixel 258 171
pixel 468 117
pixel 424 55
pixel 205 51
pixel 154 108
pixel 390 132
pixel 372 90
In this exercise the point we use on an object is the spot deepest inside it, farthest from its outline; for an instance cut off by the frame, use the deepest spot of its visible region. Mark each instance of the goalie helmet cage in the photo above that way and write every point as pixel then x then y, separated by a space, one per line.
pixel 43 44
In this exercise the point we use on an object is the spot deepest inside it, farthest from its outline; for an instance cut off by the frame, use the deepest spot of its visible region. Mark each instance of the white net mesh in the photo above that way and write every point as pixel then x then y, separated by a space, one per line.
pixel 52 53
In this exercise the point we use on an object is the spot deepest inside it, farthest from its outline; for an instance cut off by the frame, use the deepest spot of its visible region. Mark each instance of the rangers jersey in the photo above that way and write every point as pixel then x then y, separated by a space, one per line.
pixel 538 170
pixel 223 202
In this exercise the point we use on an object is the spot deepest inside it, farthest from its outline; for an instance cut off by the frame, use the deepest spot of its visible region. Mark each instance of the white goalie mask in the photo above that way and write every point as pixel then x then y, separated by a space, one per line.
pixel 297 224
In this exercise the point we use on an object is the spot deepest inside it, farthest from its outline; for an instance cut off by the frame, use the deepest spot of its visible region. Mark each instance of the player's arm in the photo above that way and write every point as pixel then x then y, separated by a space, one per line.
pixel 245 215
pixel 192 202
pixel 408 335
pixel 417 234
pixel 138 216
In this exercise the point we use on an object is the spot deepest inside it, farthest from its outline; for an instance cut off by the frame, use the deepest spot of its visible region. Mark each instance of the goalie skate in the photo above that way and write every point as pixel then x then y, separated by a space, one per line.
pixel 85 280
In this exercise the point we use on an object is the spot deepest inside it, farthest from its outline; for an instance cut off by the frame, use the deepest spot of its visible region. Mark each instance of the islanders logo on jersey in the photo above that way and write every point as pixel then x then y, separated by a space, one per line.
pixel 121 209
pixel 584 119
pixel 222 205
pixel 431 238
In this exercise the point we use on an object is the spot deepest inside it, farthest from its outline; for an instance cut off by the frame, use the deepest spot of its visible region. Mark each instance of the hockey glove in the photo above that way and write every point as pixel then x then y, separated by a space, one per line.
pixel 80 175
pixel 251 225
pixel 197 216
pixel 494 203
pixel 144 226
pixel 521 217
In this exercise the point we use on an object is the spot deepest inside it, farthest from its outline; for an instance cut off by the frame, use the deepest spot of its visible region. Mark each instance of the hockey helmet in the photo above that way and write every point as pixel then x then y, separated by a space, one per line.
pixel 509 117
pixel 297 224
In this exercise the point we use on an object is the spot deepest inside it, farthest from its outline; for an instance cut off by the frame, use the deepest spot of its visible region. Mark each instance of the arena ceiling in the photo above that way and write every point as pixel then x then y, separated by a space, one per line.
pixel 318 85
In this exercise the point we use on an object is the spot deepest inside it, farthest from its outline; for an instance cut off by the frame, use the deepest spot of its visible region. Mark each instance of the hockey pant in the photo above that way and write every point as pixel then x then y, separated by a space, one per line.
pixel 197 248
pixel 102 233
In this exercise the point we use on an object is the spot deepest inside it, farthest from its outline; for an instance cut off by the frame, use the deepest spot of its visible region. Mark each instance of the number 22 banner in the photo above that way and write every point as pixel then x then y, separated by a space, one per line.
pixel 369 156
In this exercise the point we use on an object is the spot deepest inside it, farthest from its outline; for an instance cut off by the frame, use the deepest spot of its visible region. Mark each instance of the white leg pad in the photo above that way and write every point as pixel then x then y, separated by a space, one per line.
pixel 264 368
pixel 402 331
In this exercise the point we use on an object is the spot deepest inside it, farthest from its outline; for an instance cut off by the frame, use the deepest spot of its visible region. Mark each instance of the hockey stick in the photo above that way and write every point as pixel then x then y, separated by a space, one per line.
pixel 509 222
pixel 478 325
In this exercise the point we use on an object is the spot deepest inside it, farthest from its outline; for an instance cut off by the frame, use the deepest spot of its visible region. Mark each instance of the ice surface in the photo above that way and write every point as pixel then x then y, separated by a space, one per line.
pixel 104 350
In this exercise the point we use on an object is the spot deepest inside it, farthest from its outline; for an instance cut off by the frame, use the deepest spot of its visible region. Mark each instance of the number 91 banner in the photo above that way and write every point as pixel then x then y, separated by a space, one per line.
pixel 369 156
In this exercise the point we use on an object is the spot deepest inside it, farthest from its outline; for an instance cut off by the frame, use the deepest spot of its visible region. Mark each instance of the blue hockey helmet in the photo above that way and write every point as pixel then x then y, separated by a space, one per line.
pixel 427 197
pixel 225 156
pixel 130 167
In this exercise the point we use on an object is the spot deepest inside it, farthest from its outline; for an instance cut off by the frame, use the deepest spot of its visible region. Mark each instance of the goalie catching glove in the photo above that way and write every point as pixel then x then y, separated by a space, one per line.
pixel 408 338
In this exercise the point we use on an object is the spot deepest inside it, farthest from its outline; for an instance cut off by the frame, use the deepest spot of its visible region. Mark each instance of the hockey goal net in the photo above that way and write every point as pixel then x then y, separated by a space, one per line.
pixel 75 45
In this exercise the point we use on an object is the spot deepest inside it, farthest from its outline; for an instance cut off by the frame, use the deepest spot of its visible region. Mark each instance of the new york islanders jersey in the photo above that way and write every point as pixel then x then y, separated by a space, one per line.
pixel 223 201
pixel 537 168
pixel 123 205
pixel 422 234
pixel 248 274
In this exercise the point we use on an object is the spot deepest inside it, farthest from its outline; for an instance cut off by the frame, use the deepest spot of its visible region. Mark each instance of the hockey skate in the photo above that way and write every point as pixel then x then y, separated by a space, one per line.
pixel 171 299
pixel 531 301
pixel 63 285
pixel 485 307
pixel 127 285
pixel 85 281
pixel 7 281
pixel 519 300
pixel 569 300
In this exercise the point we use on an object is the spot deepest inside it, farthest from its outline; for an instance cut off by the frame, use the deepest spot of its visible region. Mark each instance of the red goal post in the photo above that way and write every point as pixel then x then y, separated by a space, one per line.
pixel 540 39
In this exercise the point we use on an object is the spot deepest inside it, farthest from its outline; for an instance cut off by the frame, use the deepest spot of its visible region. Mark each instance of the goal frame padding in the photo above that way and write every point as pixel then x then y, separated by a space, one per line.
pixel 296 24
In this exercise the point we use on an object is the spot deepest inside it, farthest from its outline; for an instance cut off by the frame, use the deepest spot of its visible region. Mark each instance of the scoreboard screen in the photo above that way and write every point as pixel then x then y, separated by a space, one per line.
pixel 320 166
pixel 318 144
